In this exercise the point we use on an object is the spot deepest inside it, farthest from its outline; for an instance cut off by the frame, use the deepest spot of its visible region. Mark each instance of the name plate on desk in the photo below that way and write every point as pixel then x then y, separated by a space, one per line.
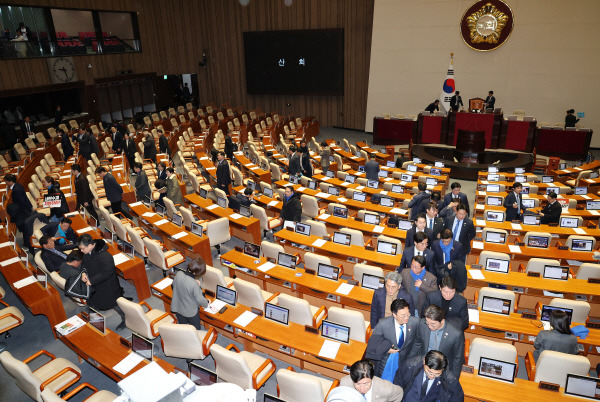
pixel 594 325
pixel 549 386
pixel 593 280
pixel 529 316
pixel 476 266
pixel 309 271
pixel 467 369
pixel 533 274
pixel 553 224
pixel 256 311
pixel 520 243
pixel 563 247
pixel 313 330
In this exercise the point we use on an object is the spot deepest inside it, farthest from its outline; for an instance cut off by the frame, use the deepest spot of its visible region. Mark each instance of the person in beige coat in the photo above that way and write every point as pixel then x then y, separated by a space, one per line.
pixel 362 378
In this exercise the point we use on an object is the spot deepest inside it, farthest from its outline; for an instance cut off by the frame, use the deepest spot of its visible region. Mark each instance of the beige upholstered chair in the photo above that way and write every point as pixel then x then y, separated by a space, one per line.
pixel 266 223
pixel 302 387
pixel 213 277
pixel 581 309
pixel 360 269
pixel 251 295
pixel 498 293
pixel 588 270
pixel 144 323
pixel 553 367
pixel 353 319
pixel 317 228
pixel 569 242
pixel 481 347
pixel 312 260
pixel 165 260
pixel 248 370
pixel 491 254
pixel 356 236
pixel 34 382
pixel 538 264
pixel 98 396
pixel 185 341
pixel 10 317
pixel 271 250
pixel 492 230
pixel 218 232
pixel 301 312
pixel 310 206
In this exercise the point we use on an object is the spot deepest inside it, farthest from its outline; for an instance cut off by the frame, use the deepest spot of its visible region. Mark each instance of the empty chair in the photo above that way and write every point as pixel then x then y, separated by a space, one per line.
pixel 251 295
pixel 186 342
pixel 553 367
pixel 302 387
pixel 581 240
pixel 481 347
pixel 584 174
pixel 497 293
pixel 248 370
pixel 537 234
pixel 312 260
pixel 301 312
pixel 147 323
pixel 485 254
pixel 356 236
pixel 271 250
pixel 355 320
pixel 494 235
pixel 538 264
pixel 588 270
pixel 310 206
pixel 317 228
pixel 581 309
pixel 164 260
pixel 213 277
pixel 10 317
pixel 360 269
pixel 266 223
pixel 218 233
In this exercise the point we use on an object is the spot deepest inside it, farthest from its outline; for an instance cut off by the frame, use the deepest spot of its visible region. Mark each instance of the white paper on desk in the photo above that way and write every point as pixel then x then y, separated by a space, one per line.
pixel 67 195
pixel 236 216
pixel 255 168
pixel 388 179
pixel 383 192
pixel 300 189
pixel 514 249
pixel 66 188
pixel 586 197
pixel 136 204
pixel 378 229
pixel 24 282
pixel 589 180
pixel 476 274
pixel 266 266
pixel 211 168
pixel 161 222
pixel 123 184
pixel 179 235
pixel 272 203
pixel 86 229
pixel 64 177
pixel 215 306
pixel 6 244
pixel 324 216
pixel 72 213
pixel 164 283
pixel 575 263
pixel 345 184
pixel 213 206
pixel 516 226
pixel 484 182
pixel 479 222
pixel 204 158
pixel 479 206
pixel 478 245
pixel 594 212
pixel 553 294
pixel 329 349
pixel 238 153
pixel 321 194
pixel 325 178
pixel 248 164
pixel 580 231
pixel 342 199
pixel 473 315
pixel 128 363
pixel 359 188
pixel 344 289
pixel 319 243
pixel 481 193
pixel 148 214
pixel 403 183
pixel 245 319
pixel 120 258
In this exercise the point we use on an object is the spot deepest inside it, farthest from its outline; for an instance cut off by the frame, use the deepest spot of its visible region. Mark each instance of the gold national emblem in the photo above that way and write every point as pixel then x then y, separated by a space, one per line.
pixel 486 24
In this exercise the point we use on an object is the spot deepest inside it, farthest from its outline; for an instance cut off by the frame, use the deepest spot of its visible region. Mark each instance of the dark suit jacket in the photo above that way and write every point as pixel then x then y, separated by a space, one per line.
pixel 456 100
pixel 551 213
pixel 24 130
pixel 82 189
pixel 554 340
pixel 161 175
pixel 463 198
pixel 292 209
pixel 372 170
pixel 455 254
pixel 307 169
pixel 432 107
pixel 19 197
pixel 114 192
pixel 438 226
pixel 386 328
pixel 94 145
pixel 378 304
pixel 67 146
pixel 129 149
pixel 294 164
pixel 149 149
pixel 51 260
pixel 415 203
pixel 228 149
pixel 490 102
pixel 467 233
pixel 513 213
pixel 223 174
pixel 117 141
pixel 446 388
pixel 142 189
pixel 457 309
pixel 429 283
pixel 410 241
pixel 458 272
pixel 452 345
pixel 163 145
pixel 408 255
pixel 570 120
pixel 85 145
pixel 243 200
pixel 51 228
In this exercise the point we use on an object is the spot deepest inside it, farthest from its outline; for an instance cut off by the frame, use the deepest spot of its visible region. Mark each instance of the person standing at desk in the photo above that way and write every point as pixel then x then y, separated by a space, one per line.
pixel 446 249
pixel 514 203
pixel 551 212
pixel 223 173
pixel 85 196
pixel 173 189
pixel 142 186
pixel 463 230
pixel 129 149
pixel 419 226
pixel 456 100
pixel 149 147
pixel 325 155
pixel 383 298
pixel 453 304
pixel 114 192
pixel 295 167
pixel 362 378
pixel 229 148
pixel 187 293
pixel 418 282
pixel 67 147
pixel 433 107
pixel 558 339
pixel 372 170
pixel 490 101
pixel 570 118
pixel 291 210
pixel 415 202
pixel 434 222
pixel 420 241
pixel 455 194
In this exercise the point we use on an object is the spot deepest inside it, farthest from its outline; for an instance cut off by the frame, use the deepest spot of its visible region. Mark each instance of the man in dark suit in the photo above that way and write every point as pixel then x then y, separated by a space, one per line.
pixel 441 385
pixel 18 195
pixel 161 171
pixel 490 101
pixel 514 203
pixel 85 146
pixel 163 143
pixel 551 212
pixel 436 333
pixel 415 202
pixel 393 335
pixel 129 149
pixel 462 228
pixel 433 221
pixel 391 290
pixel 454 194
pixel 362 378
pixel 117 139
pixel 228 148
pixel 142 188
pixel 245 197
pixel 61 229
pixel 446 249
pixel 27 128
pixel 114 192
pixel 417 281
pixel 223 173
pixel 149 147
pixel 453 304
pixel 83 192
pixel 65 142
pixel 420 242
pixel 51 255
pixel 455 101
pixel 372 170
pixel 94 143
pixel 295 166
pixel 419 226
pixel 307 170
pixel 433 107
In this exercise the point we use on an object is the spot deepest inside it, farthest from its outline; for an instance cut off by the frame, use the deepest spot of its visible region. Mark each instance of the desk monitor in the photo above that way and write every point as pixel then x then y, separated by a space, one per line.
pixel 268 191
pixel 495 305
pixel 493 177
pixel 405 177
pixel 435 172
pixel 142 346
pixel 594 174
pixel 287 260
pixel 340 212
pixel 375 198
pixel 556 272
pixel 97 320
pixel 390 164
pixel 251 185
pixel 492 169
pixel 177 219
pixel 296 179
pixel 350 179
pixel 226 295
pixel 494 216
pixel 495 201
pixel 585 387
pixel 397 188
pixel 342 238
pixel 404 224
pixel 333 190
pixel 303 228
pixel 417 160
pixel 547 179
pixel 519 170
pixel 492 188
pixel 372 281
pixel 386 202
pixel 528 202
pixel 147 201
pixel 358 196
pixel 330 174
pixel 438 164
pixel 592 205
pixel 495 237
pixel 568 222
pixel 372 219
pixel 201 376
pixel 430 181
pixel 277 313
pixel 93 222
pixel 581 190
pixel 562 166
pixel 244 211
pixel 525 190
pixel 373 184
pixel 386 247
pixel 160 210
pixel 336 332
pixel 383 174
pixel 520 178
pixel 108 235
pixel 582 245
pixel 41 276
pixel 252 249
pixel 128 249
pixel 538 241
pixel 328 271
pixel 547 312
pixel 552 190
pixel 533 220
pixel 361 169
pixel 496 265
pixel 411 168
pixel 578 163
pixel 222 202
pixel 497 369
pixel 81 212
pixel 197 229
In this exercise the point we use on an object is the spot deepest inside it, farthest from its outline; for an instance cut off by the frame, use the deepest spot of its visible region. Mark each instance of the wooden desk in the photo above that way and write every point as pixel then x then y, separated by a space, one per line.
pixel 574 171
pixel 341 184
pixel 534 252
pixel 593 216
pixel 252 171
pixel 581 199
pixel 522 229
pixel 541 186
pixel 374 153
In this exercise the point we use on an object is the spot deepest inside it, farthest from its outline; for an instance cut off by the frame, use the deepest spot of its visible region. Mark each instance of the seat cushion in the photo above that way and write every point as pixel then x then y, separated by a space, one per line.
pixel 102 396
pixel 8 322
pixel 154 314
pixel 254 361
pixel 174 258
pixel 53 367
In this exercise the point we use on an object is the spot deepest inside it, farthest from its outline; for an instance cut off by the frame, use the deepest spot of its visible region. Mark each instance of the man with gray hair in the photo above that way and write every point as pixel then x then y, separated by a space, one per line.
pixel 383 297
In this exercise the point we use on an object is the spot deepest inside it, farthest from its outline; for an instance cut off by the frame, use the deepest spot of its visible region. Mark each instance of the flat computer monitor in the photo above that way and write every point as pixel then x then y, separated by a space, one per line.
pixel 431 181
pixel 328 271
pixel 594 174
pixel 386 247
pixel 108 235
pixel 404 224
pixel 533 220
pixel 496 265
pixel 361 168
pixel 197 229
pixel 295 179
pixel 492 188
pixel 520 178
pixel 245 211
pixel 568 222
pixel 581 190
pixel 147 201
pixel 41 277
pixel 495 305
pixel 438 164
pixel 342 238
pixel 582 244
pixel 582 386
pixel 375 198
pixel 519 170
pixel 492 169
pixel 177 220
pixel 552 190
pixel 128 249
pixel 494 216
pixel 350 179
pixel 416 160
pixel 435 172
pixel 340 212
pixel 222 202
pixel 528 202
pixel 397 188
pixel 406 177
pixel 333 190
pixel 336 332
pixel 330 174
pixel 493 177
pixel 497 369
pixel 373 282
pixel 312 185
pixel 358 196
pixel 271 398
pixel 390 164
pixel 386 202
pixel 382 173
pixel 556 272
pixel 303 228
pixel 142 346
pixel 525 190
pixel 97 320
pixel 268 192
pixel 372 219
pixel 538 241
pixel 592 205
pixel 287 260
pixel 277 313
pixel 201 376
pixel 203 193
pixel 252 249
pixel 494 201
pixel 160 210
pixel 226 295
pixel 372 184
pixel 93 222
pixel 562 166
pixel 547 179
pixel 251 185
pixel 547 312
pixel 495 237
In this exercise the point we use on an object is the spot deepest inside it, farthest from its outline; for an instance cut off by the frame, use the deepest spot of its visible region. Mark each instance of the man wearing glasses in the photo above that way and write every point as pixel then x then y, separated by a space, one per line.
pixel 362 378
